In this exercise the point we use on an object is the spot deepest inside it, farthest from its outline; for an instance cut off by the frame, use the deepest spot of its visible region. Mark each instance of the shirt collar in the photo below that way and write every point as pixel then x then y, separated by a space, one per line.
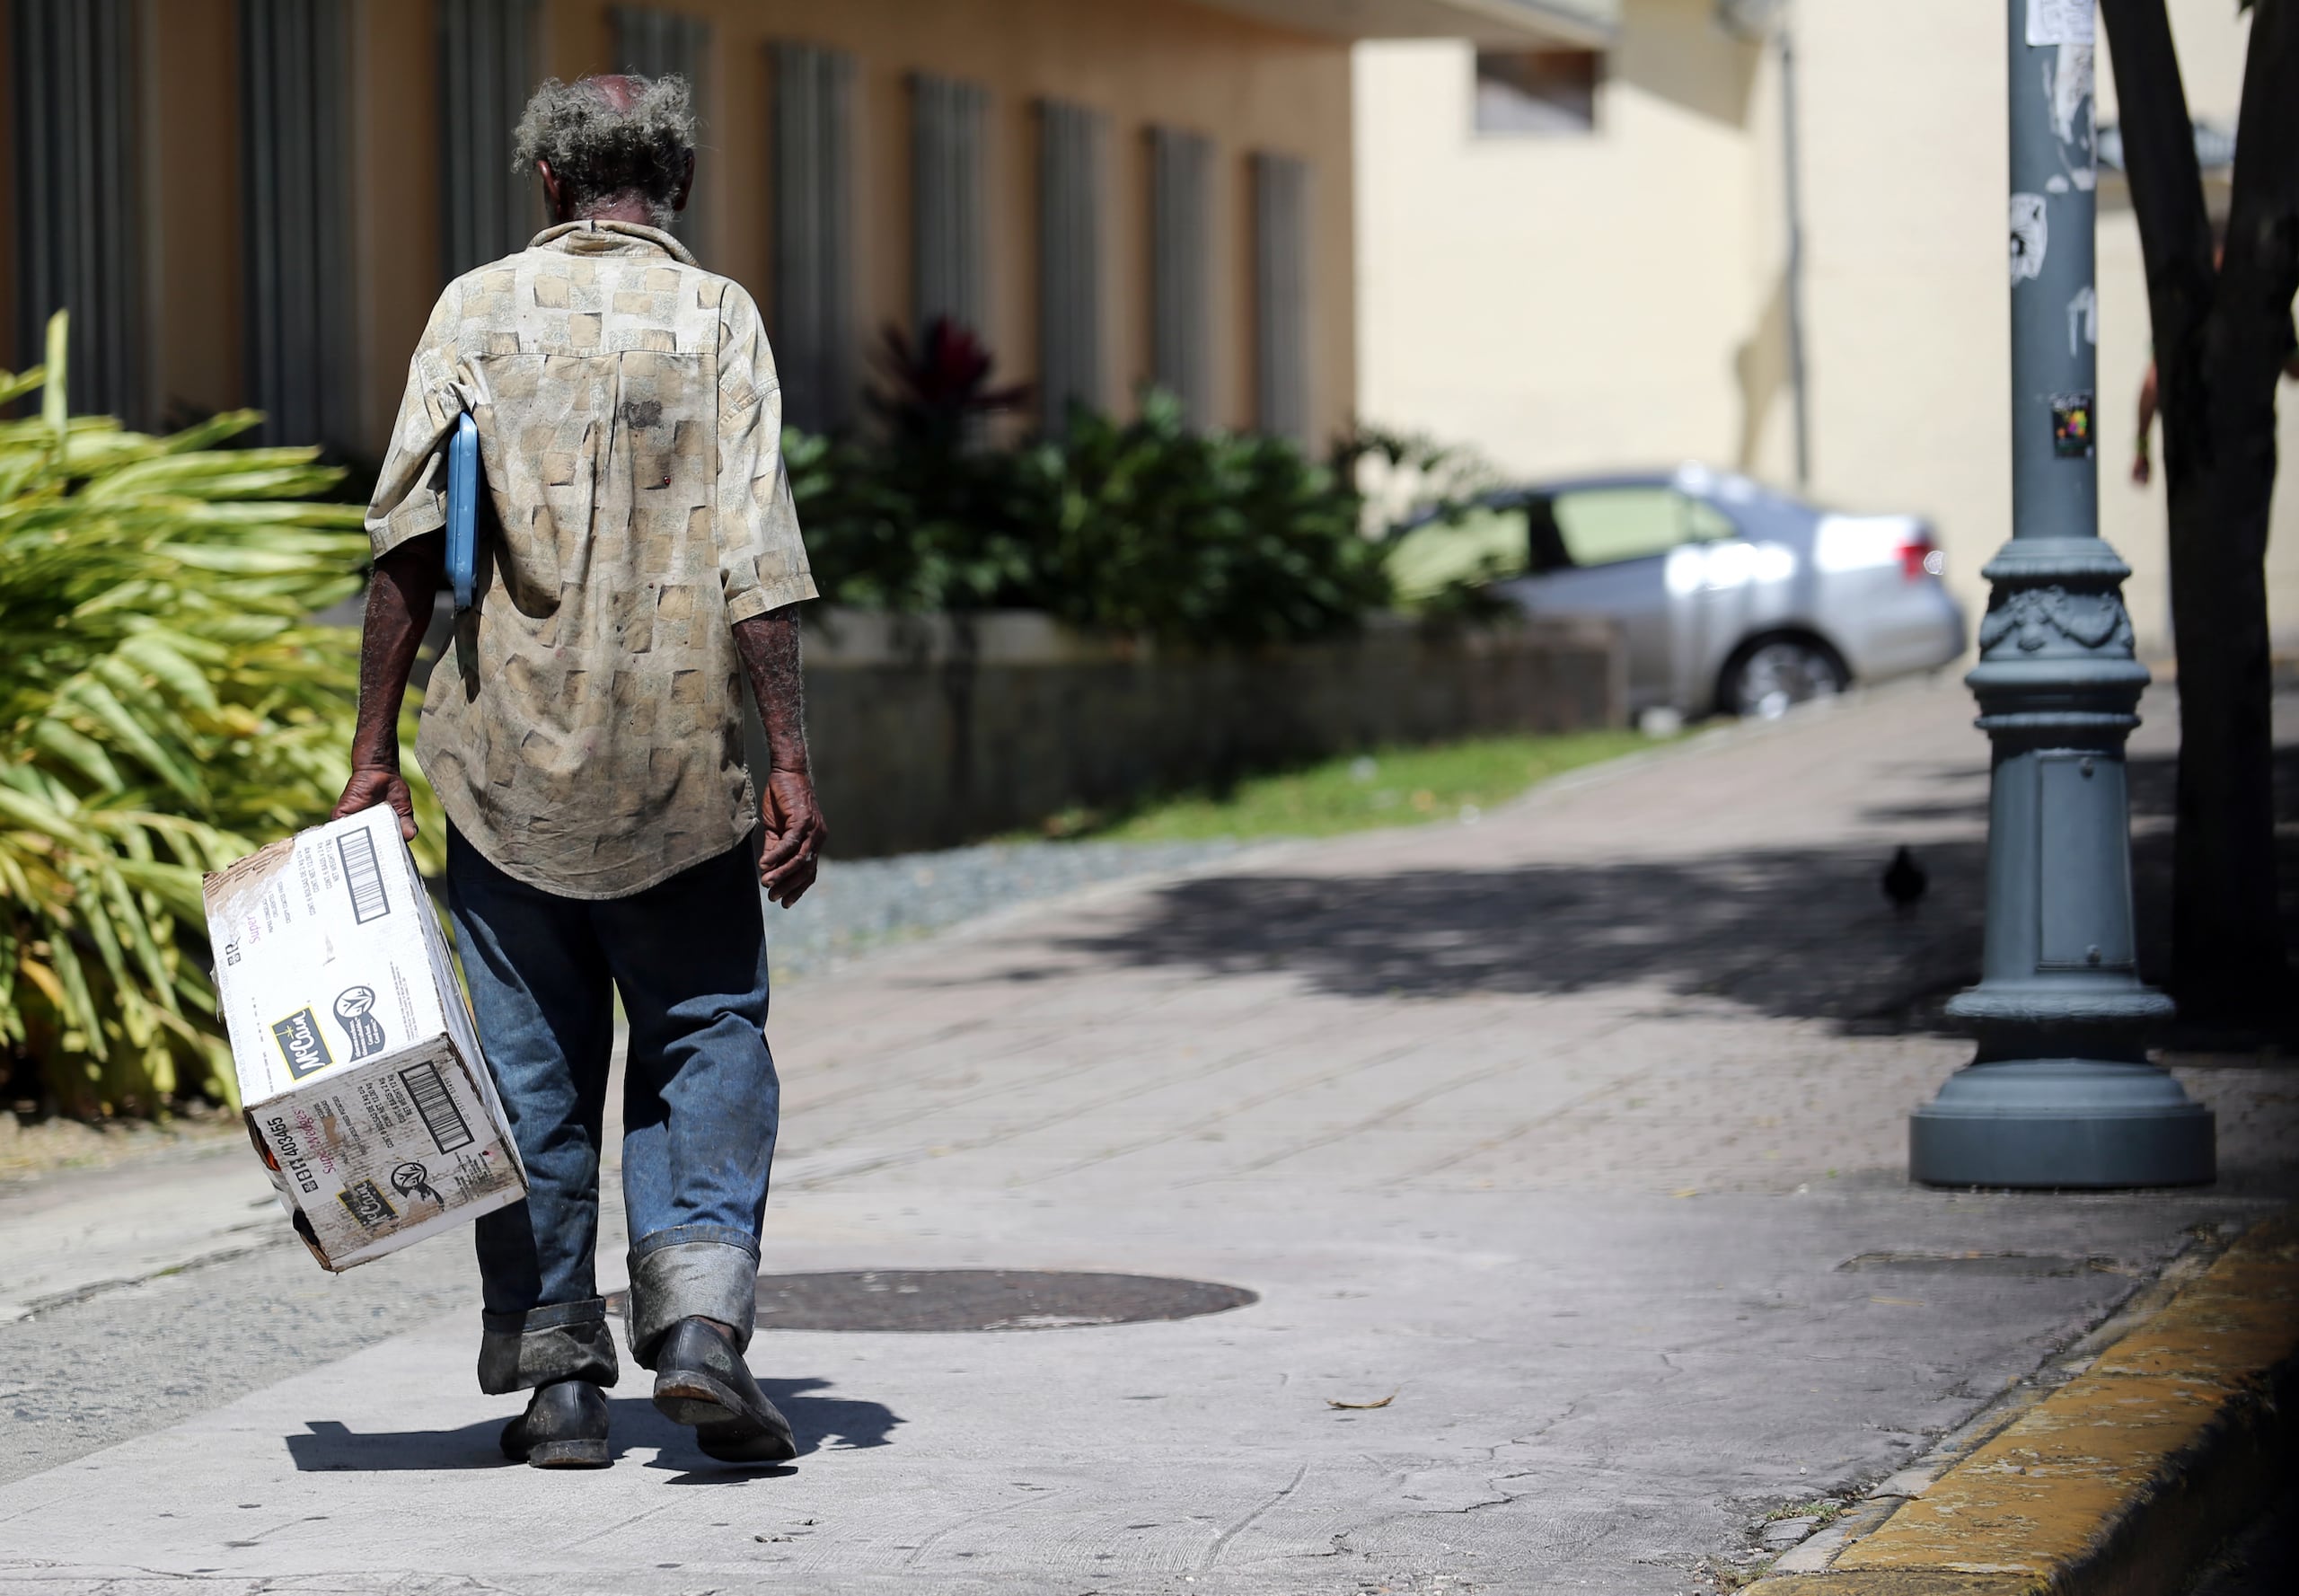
pixel 593 237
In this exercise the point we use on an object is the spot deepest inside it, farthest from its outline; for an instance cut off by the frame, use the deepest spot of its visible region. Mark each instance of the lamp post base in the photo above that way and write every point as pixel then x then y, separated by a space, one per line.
pixel 2060 1122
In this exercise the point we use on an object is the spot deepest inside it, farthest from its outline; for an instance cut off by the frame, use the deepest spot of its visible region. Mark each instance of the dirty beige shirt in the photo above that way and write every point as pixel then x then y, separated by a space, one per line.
pixel 584 732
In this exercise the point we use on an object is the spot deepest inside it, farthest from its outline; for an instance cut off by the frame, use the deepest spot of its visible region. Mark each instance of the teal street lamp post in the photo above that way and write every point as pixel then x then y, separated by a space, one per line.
pixel 2061 1093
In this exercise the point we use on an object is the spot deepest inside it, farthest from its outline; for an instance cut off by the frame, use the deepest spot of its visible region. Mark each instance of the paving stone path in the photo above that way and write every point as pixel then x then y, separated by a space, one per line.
pixel 1563 1153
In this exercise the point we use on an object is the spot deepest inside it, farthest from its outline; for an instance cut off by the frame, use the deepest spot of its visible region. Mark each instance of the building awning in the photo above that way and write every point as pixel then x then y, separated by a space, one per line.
pixel 1515 24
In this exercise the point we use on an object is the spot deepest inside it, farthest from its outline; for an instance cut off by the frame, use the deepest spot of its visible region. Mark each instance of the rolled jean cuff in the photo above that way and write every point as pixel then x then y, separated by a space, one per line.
pixel 543 1346
pixel 690 1272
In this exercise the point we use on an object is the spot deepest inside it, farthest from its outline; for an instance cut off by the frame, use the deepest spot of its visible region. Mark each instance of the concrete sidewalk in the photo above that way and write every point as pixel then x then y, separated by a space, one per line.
pixel 1580 1131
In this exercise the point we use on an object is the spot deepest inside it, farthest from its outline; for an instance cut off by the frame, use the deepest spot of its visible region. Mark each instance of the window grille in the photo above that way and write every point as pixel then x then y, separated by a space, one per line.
pixel 1538 91
pixel 295 152
pixel 1282 294
pixel 487 70
pixel 947 139
pixel 660 44
pixel 813 267
pixel 1181 268
pixel 77 226
pixel 1069 260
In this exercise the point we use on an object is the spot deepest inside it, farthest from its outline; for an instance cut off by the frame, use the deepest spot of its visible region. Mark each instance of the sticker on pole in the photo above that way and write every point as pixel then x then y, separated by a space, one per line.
pixel 2030 237
pixel 2060 22
pixel 2071 426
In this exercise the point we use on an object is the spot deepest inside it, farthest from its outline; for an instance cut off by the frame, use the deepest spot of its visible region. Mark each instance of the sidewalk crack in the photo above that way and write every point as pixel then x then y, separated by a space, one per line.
pixel 1221 1542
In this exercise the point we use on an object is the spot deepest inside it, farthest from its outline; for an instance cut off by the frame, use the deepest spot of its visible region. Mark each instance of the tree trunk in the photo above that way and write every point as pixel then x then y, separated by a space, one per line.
pixel 2220 342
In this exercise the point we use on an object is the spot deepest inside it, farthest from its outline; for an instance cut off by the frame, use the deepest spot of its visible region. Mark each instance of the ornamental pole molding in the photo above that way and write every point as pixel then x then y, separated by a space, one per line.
pixel 2061 1093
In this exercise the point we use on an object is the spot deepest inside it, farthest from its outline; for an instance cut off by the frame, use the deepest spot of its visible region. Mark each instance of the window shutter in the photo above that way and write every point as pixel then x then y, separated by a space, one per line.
pixel 663 44
pixel 946 141
pixel 814 266
pixel 1181 261
pixel 294 148
pixel 486 69
pixel 1070 260
pixel 78 201
pixel 1282 294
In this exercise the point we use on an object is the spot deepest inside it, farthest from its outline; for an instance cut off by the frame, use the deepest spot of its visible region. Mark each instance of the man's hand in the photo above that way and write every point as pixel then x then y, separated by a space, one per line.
pixel 795 832
pixel 399 608
pixel 795 835
pixel 378 784
pixel 2142 469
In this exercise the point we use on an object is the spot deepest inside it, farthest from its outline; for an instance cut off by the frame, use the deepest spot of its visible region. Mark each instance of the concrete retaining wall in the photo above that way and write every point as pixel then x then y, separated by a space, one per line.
pixel 927 731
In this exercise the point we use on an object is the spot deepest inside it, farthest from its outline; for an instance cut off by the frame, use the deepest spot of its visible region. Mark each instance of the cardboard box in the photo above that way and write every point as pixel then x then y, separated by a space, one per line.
pixel 365 1092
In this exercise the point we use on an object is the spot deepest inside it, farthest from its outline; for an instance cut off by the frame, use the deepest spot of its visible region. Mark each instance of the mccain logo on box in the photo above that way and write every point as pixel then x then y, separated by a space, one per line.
pixel 301 1044
pixel 366 1204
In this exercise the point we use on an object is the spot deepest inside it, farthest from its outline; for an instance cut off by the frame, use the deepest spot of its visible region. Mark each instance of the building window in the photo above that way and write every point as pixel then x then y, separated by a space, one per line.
pixel 1070 260
pixel 1181 269
pixel 662 44
pixel 78 214
pixel 946 120
pixel 486 69
pixel 1536 91
pixel 814 267
pixel 1282 295
pixel 295 240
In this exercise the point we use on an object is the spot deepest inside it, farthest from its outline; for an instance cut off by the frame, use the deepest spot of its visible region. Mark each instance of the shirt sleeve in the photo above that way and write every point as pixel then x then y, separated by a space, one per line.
pixel 761 559
pixel 410 495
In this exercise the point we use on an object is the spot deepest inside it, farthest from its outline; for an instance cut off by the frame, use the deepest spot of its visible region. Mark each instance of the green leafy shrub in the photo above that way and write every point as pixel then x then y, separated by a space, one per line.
pixel 1146 526
pixel 167 706
pixel 928 519
pixel 1143 527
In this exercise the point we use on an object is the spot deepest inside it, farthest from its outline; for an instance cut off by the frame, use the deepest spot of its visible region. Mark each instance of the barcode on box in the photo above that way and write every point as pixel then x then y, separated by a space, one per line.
pixel 441 1117
pixel 363 876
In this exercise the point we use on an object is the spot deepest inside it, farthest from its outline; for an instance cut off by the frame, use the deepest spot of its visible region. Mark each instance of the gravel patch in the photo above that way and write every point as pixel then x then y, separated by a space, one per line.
pixel 860 903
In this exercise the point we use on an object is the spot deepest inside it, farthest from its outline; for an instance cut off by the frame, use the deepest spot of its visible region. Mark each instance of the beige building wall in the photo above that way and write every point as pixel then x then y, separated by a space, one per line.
pixel 1249 86
pixel 1567 302
pixel 1562 300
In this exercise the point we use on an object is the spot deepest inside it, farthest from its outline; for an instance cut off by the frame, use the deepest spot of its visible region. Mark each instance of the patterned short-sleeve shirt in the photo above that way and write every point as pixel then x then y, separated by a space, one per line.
pixel 584 732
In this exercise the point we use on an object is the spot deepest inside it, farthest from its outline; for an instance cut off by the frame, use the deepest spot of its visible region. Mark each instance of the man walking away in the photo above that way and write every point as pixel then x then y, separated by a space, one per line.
pixel 638 548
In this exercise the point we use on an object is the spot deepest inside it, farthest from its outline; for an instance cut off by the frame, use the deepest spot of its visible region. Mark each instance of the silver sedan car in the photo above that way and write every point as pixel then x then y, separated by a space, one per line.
pixel 1730 597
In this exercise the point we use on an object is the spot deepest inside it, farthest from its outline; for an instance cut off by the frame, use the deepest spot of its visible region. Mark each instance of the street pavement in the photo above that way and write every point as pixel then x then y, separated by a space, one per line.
pixel 1564 1152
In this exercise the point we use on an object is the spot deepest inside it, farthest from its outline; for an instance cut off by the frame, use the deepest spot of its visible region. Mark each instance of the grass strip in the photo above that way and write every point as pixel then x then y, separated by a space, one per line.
pixel 1388 787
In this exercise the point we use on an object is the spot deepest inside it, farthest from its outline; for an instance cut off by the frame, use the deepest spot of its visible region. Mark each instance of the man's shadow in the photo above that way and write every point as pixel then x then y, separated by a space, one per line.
pixel 331 1446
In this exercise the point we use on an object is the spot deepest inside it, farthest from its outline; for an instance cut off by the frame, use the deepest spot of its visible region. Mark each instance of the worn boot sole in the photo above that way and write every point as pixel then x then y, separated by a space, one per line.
pixel 722 1426
pixel 568 1454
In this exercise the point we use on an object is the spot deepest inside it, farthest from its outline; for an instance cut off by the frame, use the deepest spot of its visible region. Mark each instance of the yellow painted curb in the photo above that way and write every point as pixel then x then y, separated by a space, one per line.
pixel 2123 1479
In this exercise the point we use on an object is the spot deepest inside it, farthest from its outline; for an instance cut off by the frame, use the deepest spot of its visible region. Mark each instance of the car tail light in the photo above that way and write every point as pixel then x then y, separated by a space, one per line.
pixel 1920 557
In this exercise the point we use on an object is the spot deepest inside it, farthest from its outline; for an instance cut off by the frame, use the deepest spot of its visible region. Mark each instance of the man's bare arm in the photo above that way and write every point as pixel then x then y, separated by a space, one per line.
pixel 400 597
pixel 795 830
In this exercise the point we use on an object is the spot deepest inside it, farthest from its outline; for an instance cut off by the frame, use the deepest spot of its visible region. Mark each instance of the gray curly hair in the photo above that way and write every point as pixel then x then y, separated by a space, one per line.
pixel 600 151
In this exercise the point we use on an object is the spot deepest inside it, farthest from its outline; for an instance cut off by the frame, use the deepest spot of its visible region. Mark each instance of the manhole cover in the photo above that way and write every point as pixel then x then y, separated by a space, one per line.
pixel 961 1299
pixel 2013 1263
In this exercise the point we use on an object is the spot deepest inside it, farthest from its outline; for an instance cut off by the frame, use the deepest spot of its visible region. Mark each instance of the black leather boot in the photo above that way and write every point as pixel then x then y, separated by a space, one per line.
pixel 565 1426
pixel 701 1380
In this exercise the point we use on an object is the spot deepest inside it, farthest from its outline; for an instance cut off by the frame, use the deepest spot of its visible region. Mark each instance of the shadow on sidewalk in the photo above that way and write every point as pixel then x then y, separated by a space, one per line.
pixel 1805 934
pixel 331 1446
pixel 1797 933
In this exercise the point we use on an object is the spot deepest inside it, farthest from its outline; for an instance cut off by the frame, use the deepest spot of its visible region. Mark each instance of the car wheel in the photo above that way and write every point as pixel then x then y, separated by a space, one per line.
pixel 1766 680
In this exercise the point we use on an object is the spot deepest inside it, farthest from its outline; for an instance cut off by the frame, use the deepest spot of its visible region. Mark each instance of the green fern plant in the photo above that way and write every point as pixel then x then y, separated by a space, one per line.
pixel 166 706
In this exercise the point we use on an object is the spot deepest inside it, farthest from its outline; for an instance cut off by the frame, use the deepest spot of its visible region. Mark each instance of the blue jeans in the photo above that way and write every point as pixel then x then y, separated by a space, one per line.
pixel 699 1105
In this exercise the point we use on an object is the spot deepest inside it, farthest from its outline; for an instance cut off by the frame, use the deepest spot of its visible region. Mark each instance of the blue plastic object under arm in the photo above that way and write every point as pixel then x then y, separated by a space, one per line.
pixel 462 509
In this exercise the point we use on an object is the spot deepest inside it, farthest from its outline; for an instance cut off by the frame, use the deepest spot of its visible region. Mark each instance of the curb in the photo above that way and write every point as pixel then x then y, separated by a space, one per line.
pixel 2121 1482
